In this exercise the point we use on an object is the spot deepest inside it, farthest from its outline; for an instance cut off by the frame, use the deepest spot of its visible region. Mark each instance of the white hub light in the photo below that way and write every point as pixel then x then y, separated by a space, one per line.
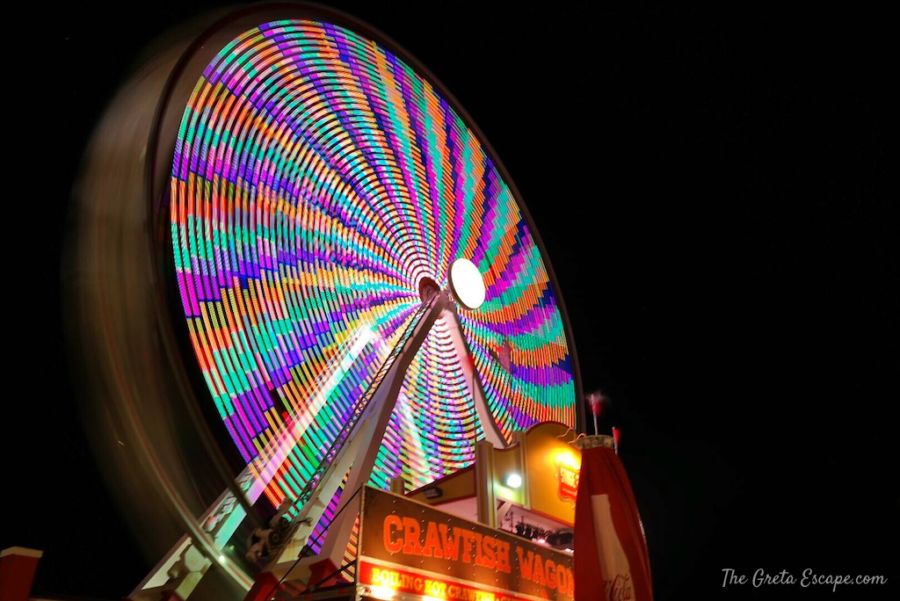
pixel 467 283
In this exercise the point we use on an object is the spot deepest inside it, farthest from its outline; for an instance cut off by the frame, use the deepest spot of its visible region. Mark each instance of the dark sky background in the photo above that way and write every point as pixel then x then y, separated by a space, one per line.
pixel 712 191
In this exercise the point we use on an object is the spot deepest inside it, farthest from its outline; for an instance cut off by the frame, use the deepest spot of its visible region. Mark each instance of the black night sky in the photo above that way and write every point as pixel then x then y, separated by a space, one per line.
pixel 712 191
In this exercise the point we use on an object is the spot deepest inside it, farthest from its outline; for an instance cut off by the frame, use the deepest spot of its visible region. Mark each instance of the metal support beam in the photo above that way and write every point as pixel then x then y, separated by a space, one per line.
pixel 359 458
pixel 180 569
pixel 484 483
pixel 491 431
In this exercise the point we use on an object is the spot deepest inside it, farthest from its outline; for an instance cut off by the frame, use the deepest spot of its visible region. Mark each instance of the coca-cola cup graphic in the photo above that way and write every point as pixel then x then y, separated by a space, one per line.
pixel 613 562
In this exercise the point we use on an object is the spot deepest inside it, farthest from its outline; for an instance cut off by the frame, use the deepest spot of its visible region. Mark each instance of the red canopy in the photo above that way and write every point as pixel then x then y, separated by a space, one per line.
pixel 611 560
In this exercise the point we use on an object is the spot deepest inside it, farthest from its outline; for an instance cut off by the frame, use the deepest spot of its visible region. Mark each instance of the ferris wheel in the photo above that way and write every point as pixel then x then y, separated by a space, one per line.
pixel 348 266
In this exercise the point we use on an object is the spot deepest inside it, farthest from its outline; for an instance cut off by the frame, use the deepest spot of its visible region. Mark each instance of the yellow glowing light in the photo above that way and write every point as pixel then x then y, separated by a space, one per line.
pixel 568 459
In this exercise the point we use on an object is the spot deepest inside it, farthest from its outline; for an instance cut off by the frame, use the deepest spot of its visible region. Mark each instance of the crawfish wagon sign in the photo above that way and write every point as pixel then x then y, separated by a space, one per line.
pixel 409 550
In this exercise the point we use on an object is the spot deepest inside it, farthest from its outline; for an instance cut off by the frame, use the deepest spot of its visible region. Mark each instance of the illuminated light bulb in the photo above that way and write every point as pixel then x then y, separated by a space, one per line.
pixel 385 593
pixel 467 283
pixel 513 480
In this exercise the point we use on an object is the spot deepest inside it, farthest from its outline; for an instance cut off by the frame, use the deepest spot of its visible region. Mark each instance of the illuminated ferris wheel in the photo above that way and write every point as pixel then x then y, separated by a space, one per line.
pixel 360 285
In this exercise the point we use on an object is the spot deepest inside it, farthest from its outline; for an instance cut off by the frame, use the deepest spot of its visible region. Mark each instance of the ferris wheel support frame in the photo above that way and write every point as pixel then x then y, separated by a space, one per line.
pixel 358 457
pixel 183 567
